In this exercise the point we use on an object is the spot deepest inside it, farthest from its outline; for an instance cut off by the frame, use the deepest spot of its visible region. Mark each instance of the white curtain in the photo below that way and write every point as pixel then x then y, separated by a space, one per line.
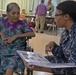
pixel 25 4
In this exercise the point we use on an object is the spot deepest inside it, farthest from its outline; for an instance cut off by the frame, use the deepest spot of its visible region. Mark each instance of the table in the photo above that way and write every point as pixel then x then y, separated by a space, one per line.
pixel 34 16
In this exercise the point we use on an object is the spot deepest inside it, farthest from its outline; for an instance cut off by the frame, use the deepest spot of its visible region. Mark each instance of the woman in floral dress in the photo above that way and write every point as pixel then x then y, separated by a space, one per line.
pixel 13 32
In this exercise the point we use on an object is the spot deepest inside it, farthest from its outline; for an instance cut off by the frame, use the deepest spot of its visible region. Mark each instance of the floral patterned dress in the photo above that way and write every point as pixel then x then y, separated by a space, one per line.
pixel 8 54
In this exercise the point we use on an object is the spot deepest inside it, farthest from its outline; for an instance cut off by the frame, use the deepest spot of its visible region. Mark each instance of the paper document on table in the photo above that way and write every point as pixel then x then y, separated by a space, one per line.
pixel 37 59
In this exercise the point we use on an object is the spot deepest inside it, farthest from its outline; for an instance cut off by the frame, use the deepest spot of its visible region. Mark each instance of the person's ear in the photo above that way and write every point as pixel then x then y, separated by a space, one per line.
pixel 66 16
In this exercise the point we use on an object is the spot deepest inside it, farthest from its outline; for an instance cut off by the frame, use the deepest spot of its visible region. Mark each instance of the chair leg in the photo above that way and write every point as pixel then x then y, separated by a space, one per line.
pixel 49 28
pixel 29 72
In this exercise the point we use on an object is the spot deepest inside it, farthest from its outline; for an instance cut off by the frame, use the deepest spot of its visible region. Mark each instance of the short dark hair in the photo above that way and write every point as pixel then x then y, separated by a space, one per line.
pixel 10 6
pixel 42 1
pixel 68 7
pixel 23 9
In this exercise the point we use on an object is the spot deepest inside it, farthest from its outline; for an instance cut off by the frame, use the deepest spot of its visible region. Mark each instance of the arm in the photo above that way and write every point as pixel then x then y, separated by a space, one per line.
pixel 52 8
pixel 26 32
pixel 46 10
pixel 72 53
pixel 13 38
pixel 1 34
pixel 56 50
pixel 69 49
pixel 36 10
pixel 51 47
pixel 4 39
pixel 37 68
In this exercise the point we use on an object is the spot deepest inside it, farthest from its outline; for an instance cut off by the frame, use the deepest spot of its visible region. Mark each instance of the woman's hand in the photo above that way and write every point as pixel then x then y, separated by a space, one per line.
pixel 37 68
pixel 11 39
pixel 49 47
pixel 4 39
pixel 30 67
